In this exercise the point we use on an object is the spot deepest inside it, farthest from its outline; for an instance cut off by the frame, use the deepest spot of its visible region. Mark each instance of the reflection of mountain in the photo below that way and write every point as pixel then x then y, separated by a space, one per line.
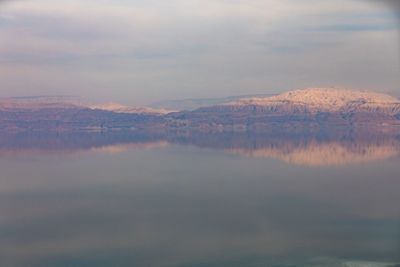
pixel 335 148
pixel 309 150
pixel 317 154
pixel 99 208
pixel 119 148
pixel 31 143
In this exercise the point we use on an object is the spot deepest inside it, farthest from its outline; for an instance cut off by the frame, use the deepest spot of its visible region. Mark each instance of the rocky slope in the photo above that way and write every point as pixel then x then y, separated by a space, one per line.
pixel 71 102
pixel 312 108
pixel 300 110
pixel 327 100
pixel 195 103
pixel 118 108
pixel 72 113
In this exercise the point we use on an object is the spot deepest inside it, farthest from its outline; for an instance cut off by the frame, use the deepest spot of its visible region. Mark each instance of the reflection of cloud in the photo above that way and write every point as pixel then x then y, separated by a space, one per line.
pixel 328 154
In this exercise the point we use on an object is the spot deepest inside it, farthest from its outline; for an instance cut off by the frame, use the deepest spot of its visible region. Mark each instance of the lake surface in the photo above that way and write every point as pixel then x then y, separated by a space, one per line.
pixel 131 199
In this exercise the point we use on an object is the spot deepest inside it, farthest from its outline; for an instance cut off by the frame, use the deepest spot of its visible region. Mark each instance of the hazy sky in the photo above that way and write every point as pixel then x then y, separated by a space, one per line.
pixel 141 51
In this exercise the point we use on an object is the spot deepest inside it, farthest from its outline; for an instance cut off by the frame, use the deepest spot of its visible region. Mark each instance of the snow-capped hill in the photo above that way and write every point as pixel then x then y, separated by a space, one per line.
pixel 326 99
pixel 307 109
pixel 303 110
pixel 71 102
pixel 118 108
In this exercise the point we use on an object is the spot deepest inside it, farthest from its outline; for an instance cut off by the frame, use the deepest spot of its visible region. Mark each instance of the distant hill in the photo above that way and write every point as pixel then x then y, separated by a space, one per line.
pixel 309 109
pixel 39 102
pixel 60 113
pixel 71 102
pixel 305 109
pixel 195 103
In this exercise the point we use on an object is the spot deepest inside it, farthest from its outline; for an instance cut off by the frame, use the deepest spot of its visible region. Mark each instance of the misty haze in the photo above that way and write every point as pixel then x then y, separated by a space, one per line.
pixel 188 133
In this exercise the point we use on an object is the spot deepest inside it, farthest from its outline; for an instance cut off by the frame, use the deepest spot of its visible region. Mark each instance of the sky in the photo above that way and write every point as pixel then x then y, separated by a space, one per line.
pixel 142 51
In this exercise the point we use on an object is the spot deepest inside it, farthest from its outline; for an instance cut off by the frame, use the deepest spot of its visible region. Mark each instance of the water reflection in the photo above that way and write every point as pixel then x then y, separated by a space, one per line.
pixel 41 143
pixel 307 150
pixel 332 149
pixel 135 199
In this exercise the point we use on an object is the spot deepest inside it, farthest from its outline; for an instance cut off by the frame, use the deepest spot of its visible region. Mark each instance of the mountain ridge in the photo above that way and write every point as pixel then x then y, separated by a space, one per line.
pixel 305 109
pixel 45 102
pixel 308 109
pixel 323 99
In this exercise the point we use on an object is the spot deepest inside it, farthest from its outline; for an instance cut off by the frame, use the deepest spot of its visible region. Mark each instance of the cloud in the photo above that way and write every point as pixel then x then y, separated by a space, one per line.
pixel 394 4
pixel 356 27
pixel 192 48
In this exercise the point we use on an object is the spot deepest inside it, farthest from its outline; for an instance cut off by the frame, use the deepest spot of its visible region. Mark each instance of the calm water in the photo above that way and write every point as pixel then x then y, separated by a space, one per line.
pixel 123 199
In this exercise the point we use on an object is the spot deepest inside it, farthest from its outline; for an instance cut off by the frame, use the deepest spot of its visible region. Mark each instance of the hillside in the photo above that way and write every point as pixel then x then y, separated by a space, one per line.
pixel 306 109
pixel 59 113
pixel 312 109
pixel 195 103
pixel 325 100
